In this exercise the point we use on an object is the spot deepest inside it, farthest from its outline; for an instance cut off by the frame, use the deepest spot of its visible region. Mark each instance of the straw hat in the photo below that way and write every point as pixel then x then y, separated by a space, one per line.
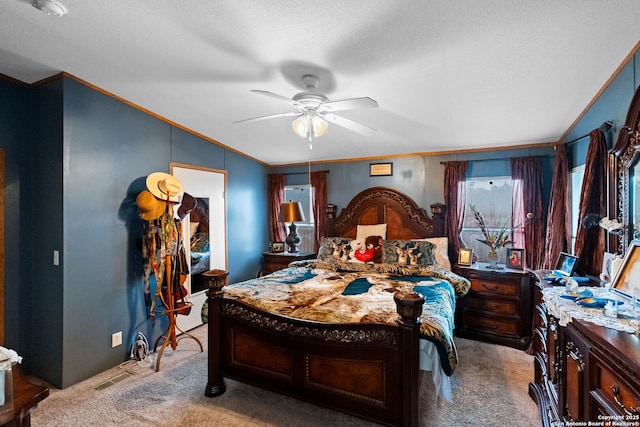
pixel 188 204
pixel 150 206
pixel 164 186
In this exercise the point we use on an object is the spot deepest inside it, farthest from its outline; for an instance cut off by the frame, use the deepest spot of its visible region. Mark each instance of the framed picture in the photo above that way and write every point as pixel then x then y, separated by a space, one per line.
pixel 277 246
pixel 515 258
pixel 465 256
pixel 627 279
pixel 566 264
pixel 380 169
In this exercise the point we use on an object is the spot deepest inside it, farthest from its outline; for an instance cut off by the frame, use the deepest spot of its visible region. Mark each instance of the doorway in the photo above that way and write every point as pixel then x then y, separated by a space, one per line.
pixel 204 232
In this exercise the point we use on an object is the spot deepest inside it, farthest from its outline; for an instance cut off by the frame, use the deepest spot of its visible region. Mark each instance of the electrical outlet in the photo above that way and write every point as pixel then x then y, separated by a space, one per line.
pixel 116 339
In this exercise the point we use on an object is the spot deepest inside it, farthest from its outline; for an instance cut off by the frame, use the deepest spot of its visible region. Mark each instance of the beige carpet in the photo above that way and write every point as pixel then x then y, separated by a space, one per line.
pixel 493 390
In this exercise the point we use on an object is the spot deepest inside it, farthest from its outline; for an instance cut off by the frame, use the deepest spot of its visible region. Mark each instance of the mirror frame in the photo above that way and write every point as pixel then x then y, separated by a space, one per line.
pixel 623 157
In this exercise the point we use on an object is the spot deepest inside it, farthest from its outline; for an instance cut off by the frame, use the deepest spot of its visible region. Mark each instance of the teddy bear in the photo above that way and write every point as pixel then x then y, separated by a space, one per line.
pixel 372 250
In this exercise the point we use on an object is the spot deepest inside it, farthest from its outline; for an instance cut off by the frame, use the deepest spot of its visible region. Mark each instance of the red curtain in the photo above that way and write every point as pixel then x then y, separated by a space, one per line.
pixel 319 185
pixel 558 219
pixel 277 230
pixel 590 239
pixel 526 176
pixel 455 198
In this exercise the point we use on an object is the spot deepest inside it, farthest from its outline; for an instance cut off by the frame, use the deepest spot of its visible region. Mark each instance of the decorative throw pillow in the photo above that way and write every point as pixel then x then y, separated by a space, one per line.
pixel 334 249
pixel 200 242
pixel 363 231
pixel 440 252
pixel 407 252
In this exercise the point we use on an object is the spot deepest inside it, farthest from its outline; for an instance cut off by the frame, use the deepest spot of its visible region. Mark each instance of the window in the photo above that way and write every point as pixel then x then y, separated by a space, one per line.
pixel 492 197
pixel 577 175
pixel 304 195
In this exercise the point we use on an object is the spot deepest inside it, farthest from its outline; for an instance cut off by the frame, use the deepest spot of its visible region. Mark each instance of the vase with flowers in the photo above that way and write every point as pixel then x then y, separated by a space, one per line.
pixel 495 240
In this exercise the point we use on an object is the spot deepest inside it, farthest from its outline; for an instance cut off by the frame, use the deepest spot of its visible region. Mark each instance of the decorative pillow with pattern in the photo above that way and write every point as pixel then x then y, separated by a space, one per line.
pixel 408 252
pixel 440 252
pixel 200 242
pixel 334 249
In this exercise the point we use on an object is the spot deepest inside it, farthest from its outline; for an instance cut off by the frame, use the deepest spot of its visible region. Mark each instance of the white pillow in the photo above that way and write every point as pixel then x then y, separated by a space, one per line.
pixel 440 252
pixel 364 231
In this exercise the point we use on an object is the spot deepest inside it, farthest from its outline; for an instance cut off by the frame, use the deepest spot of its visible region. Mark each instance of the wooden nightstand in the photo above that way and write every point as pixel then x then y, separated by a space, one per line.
pixel 498 306
pixel 273 261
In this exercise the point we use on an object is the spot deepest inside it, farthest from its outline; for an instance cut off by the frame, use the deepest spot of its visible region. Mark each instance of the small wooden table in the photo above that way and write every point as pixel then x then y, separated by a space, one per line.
pixel 26 397
pixel 274 261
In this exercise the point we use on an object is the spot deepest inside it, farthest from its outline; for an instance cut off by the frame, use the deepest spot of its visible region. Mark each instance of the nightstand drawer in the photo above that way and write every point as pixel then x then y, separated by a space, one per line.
pixel 487 324
pixel 487 286
pixel 493 306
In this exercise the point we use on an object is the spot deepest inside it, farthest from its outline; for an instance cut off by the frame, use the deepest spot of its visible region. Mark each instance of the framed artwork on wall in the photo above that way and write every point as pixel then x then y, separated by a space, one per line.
pixel 465 256
pixel 380 169
pixel 515 258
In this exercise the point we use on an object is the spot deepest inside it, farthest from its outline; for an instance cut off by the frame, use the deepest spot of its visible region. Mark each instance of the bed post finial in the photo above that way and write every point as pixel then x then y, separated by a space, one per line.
pixel 330 212
pixel 437 212
pixel 215 280
pixel 409 307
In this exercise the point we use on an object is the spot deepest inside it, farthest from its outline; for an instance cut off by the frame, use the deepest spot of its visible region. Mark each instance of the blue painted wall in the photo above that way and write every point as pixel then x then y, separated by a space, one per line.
pixel 16 139
pixel 612 104
pixel 79 158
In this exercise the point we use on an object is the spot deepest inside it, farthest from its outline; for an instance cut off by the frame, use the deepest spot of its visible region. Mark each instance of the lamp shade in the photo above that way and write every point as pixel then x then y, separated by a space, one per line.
pixel 301 125
pixel 291 212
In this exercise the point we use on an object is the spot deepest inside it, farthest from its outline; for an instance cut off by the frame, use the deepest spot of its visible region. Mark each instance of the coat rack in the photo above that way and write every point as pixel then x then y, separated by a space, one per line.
pixel 171 245
pixel 164 256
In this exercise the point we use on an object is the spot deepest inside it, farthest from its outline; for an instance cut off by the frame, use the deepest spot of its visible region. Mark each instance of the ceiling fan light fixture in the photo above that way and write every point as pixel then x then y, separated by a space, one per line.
pixel 50 7
pixel 301 125
pixel 320 126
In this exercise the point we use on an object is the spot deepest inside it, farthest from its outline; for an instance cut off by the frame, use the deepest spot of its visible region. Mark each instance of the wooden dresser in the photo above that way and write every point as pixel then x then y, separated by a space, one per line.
pixel 274 261
pixel 498 306
pixel 583 372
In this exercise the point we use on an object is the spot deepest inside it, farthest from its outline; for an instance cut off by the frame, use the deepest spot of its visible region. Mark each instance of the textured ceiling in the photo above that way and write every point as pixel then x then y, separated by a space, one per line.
pixel 447 75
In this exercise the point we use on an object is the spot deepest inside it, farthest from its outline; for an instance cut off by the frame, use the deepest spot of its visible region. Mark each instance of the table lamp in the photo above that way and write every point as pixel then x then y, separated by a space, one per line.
pixel 291 212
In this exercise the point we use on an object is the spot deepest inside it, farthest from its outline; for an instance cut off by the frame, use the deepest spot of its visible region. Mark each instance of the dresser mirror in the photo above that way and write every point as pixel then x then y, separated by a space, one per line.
pixel 625 163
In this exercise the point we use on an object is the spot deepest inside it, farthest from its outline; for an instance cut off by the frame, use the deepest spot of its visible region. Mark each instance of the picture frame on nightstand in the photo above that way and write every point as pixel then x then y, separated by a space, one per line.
pixel 465 256
pixel 277 246
pixel 515 258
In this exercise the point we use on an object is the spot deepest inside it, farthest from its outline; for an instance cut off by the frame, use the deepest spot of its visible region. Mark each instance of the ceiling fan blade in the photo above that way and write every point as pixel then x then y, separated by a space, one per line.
pixel 352 125
pixel 348 104
pixel 270 116
pixel 276 96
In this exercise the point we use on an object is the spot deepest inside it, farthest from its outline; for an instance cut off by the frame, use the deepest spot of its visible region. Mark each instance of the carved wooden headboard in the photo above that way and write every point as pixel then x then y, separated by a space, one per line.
pixel 379 205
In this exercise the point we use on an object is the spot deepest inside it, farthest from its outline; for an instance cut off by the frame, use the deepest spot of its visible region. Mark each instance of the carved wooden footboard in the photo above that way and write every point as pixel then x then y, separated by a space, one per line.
pixel 367 370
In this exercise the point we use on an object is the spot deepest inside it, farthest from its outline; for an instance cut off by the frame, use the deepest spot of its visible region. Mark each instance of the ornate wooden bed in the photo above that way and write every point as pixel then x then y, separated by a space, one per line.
pixel 378 363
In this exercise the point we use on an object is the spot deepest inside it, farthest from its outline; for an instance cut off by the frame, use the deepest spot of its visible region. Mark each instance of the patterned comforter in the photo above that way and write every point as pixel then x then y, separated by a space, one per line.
pixel 342 293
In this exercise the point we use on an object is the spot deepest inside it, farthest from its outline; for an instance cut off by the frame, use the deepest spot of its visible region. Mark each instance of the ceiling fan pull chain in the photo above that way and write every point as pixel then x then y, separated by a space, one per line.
pixel 310 140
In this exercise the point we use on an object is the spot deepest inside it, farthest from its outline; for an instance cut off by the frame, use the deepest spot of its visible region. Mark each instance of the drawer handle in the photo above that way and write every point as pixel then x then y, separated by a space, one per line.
pixel 490 288
pixel 616 396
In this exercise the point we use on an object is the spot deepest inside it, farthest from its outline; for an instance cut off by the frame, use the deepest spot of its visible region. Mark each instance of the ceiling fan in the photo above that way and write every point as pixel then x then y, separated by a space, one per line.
pixel 314 111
